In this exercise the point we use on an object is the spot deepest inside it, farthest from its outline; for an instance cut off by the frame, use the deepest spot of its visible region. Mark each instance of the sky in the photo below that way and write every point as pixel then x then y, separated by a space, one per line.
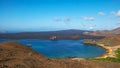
pixel 50 15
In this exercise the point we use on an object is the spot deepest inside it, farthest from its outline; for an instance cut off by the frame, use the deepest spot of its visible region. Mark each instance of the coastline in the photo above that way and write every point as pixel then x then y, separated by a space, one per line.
pixel 110 51
pixel 16 55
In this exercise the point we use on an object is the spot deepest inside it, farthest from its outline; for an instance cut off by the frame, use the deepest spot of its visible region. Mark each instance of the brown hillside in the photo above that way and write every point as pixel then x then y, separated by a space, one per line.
pixel 14 55
pixel 110 40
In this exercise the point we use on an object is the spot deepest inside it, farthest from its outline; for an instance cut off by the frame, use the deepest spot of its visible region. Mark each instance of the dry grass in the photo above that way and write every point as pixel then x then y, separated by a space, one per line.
pixel 14 55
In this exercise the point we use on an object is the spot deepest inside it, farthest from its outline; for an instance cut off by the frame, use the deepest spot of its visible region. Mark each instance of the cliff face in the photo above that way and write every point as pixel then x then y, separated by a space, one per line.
pixel 14 55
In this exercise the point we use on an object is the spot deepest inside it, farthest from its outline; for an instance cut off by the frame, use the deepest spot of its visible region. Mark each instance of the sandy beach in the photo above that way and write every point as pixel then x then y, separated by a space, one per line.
pixel 110 51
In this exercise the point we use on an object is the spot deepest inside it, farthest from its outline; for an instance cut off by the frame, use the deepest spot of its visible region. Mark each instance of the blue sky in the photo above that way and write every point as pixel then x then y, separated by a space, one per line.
pixel 49 15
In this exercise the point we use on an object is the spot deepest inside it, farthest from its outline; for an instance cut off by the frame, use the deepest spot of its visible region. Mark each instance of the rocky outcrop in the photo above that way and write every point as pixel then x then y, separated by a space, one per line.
pixel 15 55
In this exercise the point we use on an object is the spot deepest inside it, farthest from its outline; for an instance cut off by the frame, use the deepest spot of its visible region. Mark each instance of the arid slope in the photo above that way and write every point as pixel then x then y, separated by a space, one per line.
pixel 15 55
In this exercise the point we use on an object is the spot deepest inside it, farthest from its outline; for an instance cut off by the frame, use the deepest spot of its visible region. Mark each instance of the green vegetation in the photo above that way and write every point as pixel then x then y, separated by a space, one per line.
pixel 118 53
pixel 110 59
pixel 107 59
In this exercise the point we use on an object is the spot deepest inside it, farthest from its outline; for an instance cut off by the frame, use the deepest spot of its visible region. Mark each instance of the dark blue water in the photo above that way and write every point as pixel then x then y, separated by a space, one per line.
pixel 63 48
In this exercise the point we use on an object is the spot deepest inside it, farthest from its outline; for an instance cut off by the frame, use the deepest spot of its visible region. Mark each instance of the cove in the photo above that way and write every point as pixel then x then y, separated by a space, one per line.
pixel 62 48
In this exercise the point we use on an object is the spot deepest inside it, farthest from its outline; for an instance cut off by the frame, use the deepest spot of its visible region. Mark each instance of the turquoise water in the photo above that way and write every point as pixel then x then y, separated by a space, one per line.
pixel 63 48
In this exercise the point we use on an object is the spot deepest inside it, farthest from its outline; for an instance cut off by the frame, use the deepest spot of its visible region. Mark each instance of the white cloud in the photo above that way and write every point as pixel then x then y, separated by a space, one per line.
pixel 85 18
pixel 118 22
pixel 91 18
pixel 88 18
pixel 101 13
pixel 115 13
pixel 83 24
pixel 118 13
pixel 57 19
pixel 90 28
pixel 94 25
pixel 112 13
pixel 67 19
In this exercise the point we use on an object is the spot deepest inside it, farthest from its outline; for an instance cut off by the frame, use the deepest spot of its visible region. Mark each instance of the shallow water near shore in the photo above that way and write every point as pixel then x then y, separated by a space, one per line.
pixel 62 48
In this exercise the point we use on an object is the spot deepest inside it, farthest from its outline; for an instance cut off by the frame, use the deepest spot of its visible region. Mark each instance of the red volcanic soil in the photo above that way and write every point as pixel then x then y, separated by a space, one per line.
pixel 15 55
